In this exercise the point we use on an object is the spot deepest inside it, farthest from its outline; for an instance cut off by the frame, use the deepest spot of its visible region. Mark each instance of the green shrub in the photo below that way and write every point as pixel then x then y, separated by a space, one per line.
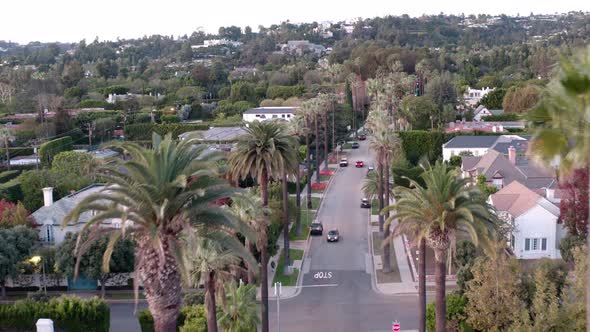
pixel 170 118
pixel 455 314
pixel 11 191
pixel 8 175
pixel 95 104
pixel 284 92
pixel 193 315
pixel 194 298
pixel 50 149
pixel 70 314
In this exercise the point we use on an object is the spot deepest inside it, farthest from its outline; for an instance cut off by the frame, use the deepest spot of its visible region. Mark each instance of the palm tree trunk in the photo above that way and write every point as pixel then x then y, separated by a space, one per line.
pixel 251 274
pixel 380 191
pixel 326 138
pixel 285 221
pixel 162 285
pixel 317 151
pixel 264 258
pixel 440 279
pixel 387 245
pixel 308 161
pixel 588 261
pixel 422 286
pixel 298 199
pixel 210 302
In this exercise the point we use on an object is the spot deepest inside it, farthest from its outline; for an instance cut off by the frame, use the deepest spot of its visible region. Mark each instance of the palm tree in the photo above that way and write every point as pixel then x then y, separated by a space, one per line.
pixel 5 135
pixel 306 111
pixel 261 152
pixel 327 105
pixel 240 312
pixel 562 124
pixel 159 194
pixel 290 165
pixel 297 126
pixel 437 212
pixel 317 113
pixel 207 262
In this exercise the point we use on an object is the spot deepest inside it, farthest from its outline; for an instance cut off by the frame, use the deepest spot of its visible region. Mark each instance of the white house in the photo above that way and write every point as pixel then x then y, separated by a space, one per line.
pixel 478 145
pixel 473 96
pixel 50 216
pixel 536 233
pixel 284 113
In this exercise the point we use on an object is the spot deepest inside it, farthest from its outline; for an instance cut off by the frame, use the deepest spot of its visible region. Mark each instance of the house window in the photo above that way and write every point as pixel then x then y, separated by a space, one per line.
pixel 535 244
pixel 512 241
pixel 498 183
pixel 49 233
pixel 282 115
pixel 275 116
pixel 288 115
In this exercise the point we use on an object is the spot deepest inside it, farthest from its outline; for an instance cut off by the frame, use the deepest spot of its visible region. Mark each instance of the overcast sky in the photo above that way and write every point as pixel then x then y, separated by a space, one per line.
pixel 73 20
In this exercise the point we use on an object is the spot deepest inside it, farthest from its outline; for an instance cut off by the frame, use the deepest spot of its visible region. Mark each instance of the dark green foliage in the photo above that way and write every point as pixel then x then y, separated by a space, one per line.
pixel 502 117
pixel 69 314
pixel 493 100
pixel 96 104
pixel 31 183
pixel 115 89
pixel 20 151
pixel 11 191
pixel 456 161
pixel 8 175
pixel 418 143
pixel 465 253
pixel 50 149
pixel 568 244
pixel 84 118
pixel 194 298
pixel 455 314
pixel 170 118
pixel 284 92
pixel 401 175
pixel 193 315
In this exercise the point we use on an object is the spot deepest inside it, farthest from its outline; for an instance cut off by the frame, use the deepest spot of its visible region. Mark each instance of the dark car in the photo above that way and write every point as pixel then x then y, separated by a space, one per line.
pixel 359 164
pixel 355 145
pixel 333 235
pixel 316 228
pixel 365 204
pixel 362 137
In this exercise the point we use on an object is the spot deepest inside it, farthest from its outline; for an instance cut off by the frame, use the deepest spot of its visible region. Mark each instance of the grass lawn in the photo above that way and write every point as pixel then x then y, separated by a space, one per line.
pixel 375 207
pixel 292 279
pixel 347 146
pixel 304 226
pixel 392 276
pixel 315 202
pixel 324 178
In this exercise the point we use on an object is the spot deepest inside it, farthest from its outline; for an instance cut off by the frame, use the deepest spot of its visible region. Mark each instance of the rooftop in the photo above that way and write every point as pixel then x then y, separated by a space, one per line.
pixel 471 142
pixel 272 110
pixel 517 199
pixel 216 134
pixel 57 211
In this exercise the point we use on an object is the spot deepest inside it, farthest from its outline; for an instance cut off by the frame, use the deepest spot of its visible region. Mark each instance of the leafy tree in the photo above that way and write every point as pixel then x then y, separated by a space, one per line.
pixel 73 163
pixel 493 294
pixel 166 191
pixel 442 91
pixel 418 110
pixel 573 208
pixel 569 244
pixel 91 258
pixel 239 313
pixel 493 100
pixel 242 91
pixel 16 244
pixel 31 183
pixel 12 214
pixel 519 99
pixel 482 184
pixel 574 308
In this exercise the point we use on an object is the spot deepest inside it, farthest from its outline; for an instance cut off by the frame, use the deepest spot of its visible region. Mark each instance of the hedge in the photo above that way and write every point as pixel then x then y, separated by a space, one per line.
pixel 456 315
pixel 70 314
pixel 50 149
pixel 196 313
pixel 8 175
pixel 11 191
pixel 419 143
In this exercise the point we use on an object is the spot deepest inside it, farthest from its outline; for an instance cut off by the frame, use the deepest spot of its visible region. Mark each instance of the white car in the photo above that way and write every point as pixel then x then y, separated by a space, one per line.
pixel 343 162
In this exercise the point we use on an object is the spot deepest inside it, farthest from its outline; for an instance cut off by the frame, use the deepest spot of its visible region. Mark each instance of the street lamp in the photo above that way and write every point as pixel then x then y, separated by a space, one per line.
pixel 36 260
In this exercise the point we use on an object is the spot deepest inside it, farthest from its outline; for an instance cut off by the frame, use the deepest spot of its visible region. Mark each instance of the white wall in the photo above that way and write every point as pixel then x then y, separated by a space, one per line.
pixel 449 152
pixel 536 223
pixel 253 117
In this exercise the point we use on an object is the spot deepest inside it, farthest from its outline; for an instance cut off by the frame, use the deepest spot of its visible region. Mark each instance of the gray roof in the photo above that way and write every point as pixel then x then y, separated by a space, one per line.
pixel 471 142
pixel 58 210
pixel 521 146
pixel 216 134
pixel 271 110
pixel 497 112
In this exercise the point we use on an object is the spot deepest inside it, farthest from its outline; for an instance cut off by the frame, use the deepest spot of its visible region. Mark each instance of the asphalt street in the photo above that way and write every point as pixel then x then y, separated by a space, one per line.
pixel 337 293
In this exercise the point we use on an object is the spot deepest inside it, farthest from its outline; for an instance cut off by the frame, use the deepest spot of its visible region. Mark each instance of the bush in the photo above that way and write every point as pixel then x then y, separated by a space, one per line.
pixel 50 149
pixel 502 117
pixel 568 244
pixel 170 118
pixel 455 314
pixel 70 314
pixel 193 298
pixel 193 316
pixel 11 191
pixel 8 175
pixel 419 143
pixel 284 92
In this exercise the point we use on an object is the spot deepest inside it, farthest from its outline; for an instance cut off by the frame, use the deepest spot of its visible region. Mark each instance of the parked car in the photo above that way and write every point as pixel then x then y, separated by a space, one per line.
pixel 362 137
pixel 370 168
pixel 316 228
pixel 333 235
pixel 355 145
pixel 365 204
pixel 343 162
pixel 359 164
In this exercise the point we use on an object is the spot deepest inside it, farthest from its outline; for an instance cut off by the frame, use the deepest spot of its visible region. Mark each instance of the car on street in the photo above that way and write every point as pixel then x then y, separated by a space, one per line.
pixel 365 204
pixel 333 235
pixel 370 168
pixel 316 228
pixel 355 145
pixel 359 164
pixel 362 137
pixel 343 162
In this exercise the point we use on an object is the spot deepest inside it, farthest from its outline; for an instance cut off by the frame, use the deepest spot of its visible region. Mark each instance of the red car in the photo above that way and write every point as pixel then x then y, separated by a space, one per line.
pixel 359 164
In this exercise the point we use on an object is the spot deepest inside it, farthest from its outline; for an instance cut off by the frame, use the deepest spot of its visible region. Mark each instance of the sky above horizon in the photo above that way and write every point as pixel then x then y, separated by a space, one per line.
pixel 68 21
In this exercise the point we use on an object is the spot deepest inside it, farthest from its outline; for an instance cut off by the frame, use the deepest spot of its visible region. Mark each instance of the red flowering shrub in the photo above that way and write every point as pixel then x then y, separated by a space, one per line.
pixel 319 186
pixel 14 214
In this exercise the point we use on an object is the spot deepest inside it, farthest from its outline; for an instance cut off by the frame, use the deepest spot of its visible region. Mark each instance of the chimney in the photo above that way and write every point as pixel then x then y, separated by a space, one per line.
pixel 48 196
pixel 512 155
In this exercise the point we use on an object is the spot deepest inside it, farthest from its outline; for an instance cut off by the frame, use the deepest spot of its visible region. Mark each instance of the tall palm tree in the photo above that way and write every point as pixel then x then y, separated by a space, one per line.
pixel 159 194
pixel 261 153
pixel 240 312
pixel 306 111
pixel 290 165
pixel 562 123
pixel 317 114
pixel 327 106
pixel 298 127
pixel 437 212
pixel 207 262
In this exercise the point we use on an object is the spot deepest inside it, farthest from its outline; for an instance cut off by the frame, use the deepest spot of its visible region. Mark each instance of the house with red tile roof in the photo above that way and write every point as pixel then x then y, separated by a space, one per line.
pixel 536 232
